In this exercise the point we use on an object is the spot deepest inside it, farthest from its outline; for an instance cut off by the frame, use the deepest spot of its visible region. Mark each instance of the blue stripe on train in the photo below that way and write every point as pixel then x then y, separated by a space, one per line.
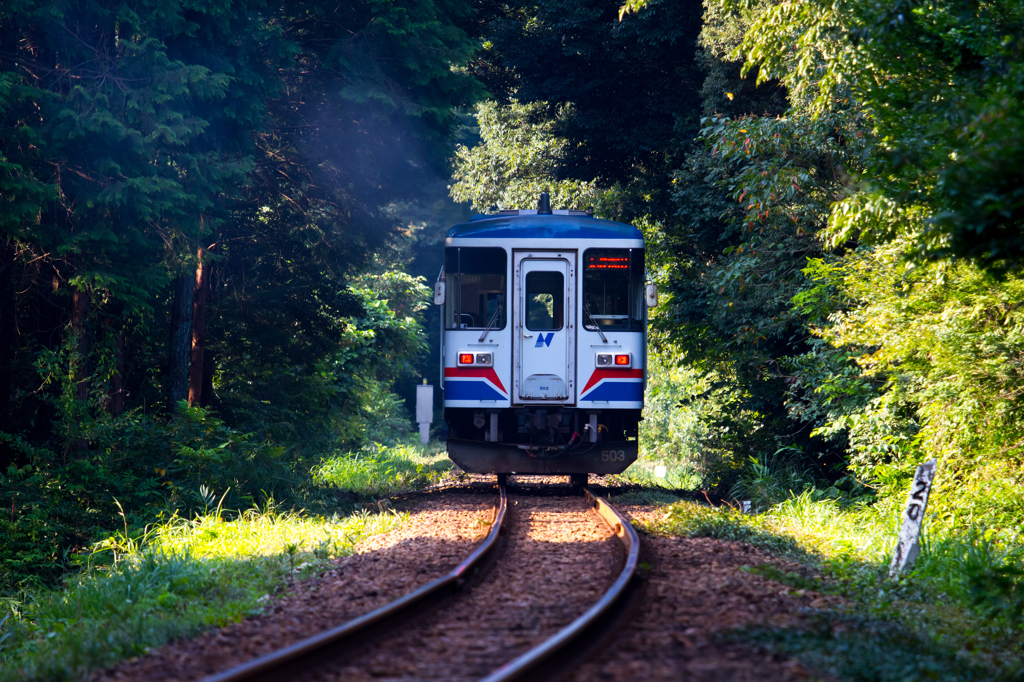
pixel 617 390
pixel 470 390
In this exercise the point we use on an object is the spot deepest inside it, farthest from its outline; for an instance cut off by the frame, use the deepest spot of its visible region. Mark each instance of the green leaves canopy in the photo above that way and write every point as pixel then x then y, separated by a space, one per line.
pixel 943 84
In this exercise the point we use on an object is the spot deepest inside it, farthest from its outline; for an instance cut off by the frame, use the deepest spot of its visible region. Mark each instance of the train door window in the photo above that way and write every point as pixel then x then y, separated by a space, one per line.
pixel 613 282
pixel 545 300
pixel 475 280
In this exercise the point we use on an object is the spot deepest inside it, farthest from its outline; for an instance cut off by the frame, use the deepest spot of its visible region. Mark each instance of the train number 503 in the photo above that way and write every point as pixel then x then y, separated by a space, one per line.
pixel 613 455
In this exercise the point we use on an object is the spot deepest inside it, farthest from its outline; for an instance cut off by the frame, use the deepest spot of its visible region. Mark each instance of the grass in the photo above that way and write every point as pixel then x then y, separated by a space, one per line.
pixel 379 471
pixel 958 615
pixel 677 476
pixel 183 577
pixel 655 496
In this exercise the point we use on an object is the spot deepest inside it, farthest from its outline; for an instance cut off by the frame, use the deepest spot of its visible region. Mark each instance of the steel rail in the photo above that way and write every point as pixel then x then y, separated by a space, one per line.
pixel 330 644
pixel 551 657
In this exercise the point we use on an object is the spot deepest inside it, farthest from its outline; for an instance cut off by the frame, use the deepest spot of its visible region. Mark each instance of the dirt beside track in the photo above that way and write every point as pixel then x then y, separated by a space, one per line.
pixel 695 589
pixel 441 531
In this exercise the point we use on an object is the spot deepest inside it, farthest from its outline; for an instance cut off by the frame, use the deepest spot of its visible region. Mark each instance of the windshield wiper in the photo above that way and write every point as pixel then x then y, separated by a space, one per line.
pixel 491 322
pixel 596 325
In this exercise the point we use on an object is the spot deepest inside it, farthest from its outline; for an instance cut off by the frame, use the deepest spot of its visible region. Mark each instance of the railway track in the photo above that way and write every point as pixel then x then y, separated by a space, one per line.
pixel 376 638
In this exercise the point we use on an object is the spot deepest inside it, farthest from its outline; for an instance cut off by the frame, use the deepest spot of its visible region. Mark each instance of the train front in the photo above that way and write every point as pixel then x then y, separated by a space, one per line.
pixel 544 342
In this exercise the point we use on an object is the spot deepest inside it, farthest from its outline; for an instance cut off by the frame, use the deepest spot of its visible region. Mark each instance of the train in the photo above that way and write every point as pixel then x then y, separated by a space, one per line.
pixel 543 342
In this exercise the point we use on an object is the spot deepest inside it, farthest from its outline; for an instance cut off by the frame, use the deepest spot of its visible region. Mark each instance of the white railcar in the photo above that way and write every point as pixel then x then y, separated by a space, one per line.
pixel 544 342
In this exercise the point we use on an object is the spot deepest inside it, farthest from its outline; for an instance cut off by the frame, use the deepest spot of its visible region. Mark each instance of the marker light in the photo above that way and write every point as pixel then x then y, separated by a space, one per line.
pixel 604 359
pixel 465 358
pixel 622 360
pixel 483 358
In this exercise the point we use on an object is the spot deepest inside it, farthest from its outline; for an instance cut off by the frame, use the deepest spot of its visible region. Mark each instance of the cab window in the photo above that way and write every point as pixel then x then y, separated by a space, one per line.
pixel 475 280
pixel 613 282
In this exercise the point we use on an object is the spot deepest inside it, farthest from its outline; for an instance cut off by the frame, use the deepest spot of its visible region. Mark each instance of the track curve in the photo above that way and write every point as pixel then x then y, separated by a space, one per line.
pixel 547 660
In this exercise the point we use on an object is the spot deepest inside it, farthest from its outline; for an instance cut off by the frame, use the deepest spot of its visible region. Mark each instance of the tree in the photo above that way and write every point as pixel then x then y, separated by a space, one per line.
pixel 631 87
pixel 943 84
pixel 187 194
pixel 518 157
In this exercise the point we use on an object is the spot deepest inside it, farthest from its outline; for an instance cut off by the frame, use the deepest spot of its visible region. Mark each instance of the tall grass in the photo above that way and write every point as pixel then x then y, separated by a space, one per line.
pixel 678 476
pixel 379 470
pixel 184 576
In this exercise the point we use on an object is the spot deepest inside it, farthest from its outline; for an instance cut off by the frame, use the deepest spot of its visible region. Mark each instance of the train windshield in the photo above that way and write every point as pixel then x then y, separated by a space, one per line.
pixel 475 282
pixel 613 289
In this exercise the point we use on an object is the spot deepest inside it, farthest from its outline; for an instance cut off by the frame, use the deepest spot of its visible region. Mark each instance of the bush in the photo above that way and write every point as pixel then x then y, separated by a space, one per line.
pixel 62 500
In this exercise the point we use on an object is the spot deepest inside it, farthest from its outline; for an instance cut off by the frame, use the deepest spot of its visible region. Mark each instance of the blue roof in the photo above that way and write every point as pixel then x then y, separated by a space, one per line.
pixel 542 227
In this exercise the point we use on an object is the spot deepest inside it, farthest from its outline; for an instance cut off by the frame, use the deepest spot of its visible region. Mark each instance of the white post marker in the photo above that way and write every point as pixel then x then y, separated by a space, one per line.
pixel 660 471
pixel 907 546
pixel 424 409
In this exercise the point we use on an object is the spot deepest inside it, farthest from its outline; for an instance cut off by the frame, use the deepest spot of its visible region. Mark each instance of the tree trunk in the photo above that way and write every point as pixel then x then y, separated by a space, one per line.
pixel 113 330
pixel 115 405
pixel 51 314
pixel 7 345
pixel 80 331
pixel 7 327
pixel 181 335
pixel 81 348
pixel 199 300
pixel 208 366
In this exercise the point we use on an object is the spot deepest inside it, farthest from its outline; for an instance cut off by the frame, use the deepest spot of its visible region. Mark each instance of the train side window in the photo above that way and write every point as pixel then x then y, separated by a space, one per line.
pixel 545 300
pixel 475 279
pixel 613 289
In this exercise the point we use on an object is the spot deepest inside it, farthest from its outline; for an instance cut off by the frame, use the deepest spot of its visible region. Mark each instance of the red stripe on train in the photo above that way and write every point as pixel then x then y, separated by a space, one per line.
pixel 600 374
pixel 475 373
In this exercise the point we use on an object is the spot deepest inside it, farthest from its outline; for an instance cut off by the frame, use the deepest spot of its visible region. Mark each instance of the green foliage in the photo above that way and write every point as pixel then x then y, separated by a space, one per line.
pixel 59 503
pixel 947 337
pixel 518 157
pixel 974 568
pixel 693 520
pixel 750 205
pixel 855 357
pixel 942 84
pixel 264 142
pixel 343 399
pixel 671 434
pixel 629 85
pixel 768 480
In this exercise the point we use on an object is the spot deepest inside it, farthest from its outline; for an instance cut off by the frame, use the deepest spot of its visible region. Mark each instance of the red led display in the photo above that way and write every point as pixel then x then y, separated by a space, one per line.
pixel 621 359
pixel 465 358
pixel 608 263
